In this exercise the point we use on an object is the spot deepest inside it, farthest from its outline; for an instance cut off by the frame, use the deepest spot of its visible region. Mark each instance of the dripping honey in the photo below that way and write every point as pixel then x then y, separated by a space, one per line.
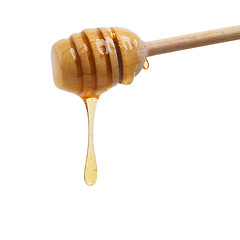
pixel 90 175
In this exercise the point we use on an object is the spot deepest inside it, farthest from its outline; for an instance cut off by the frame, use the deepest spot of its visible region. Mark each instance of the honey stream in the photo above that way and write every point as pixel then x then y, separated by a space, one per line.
pixel 90 174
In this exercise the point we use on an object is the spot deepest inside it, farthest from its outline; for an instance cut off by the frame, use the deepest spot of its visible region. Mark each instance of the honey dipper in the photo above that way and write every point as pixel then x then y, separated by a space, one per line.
pixel 93 61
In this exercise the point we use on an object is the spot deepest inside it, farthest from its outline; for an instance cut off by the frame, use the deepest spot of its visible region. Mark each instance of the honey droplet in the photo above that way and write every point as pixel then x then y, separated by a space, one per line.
pixel 90 174
pixel 146 64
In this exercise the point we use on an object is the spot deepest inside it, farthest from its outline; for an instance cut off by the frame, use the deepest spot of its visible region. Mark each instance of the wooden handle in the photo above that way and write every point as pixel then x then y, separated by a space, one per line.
pixel 193 40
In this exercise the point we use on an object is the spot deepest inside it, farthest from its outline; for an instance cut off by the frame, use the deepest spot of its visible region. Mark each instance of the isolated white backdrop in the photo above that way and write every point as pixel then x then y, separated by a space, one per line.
pixel 167 146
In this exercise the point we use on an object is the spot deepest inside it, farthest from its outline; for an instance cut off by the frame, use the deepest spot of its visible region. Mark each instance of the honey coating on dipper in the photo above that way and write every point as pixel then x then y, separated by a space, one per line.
pixel 90 63
pixel 95 60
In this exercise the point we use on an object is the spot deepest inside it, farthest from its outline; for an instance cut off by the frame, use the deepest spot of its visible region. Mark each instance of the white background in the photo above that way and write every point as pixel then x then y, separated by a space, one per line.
pixel 167 146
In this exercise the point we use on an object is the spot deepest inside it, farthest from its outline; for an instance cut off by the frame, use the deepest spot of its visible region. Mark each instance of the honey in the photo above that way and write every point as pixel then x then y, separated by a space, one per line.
pixel 90 175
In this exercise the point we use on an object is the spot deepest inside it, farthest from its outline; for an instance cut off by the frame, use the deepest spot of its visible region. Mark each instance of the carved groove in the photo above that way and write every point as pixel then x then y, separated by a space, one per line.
pixel 91 60
pixel 78 63
pixel 107 60
pixel 119 54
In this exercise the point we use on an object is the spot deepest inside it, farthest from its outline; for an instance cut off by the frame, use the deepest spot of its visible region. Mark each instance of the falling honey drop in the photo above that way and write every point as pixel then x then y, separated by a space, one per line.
pixel 146 64
pixel 90 174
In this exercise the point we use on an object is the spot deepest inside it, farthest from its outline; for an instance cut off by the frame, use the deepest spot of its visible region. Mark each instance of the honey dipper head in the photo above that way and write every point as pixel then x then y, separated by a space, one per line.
pixel 93 61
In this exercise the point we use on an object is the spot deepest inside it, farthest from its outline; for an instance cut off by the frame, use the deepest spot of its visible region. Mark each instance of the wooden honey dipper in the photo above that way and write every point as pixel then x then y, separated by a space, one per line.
pixel 95 60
